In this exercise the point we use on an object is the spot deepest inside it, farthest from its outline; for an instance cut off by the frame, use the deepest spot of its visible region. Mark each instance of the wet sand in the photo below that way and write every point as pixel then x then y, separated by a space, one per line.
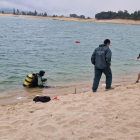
pixel 114 21
pixel 105 115
pixel 22 94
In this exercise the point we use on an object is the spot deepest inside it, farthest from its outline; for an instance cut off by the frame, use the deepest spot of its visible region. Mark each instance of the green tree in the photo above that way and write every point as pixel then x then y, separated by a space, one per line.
pixel 23 13
pixel 35 13
pixel 17 11
pixel 2 12
pixel 126 14
pixel 120 15
pixel 14 11
pixel 73 15
pixel 29 13
pixel 45 14
pixel 138 15
pixel 82 16
pixel 135 16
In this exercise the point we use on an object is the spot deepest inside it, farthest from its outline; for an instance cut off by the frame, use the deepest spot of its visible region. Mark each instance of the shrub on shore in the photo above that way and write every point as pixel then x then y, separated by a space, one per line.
pixel 119 15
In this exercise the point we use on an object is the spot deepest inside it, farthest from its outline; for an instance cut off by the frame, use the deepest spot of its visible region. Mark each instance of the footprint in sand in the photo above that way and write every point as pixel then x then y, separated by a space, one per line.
pixel 7 119
pixel 5 127
pixel 98 135
pixel 44 117
pixel 47 128
pixel 87 116
pixel 41 123
pixel 59 118
pixel 134 124
pixel 19 122
pixel 26 136
pixel 4 130
pixel 123 130
pixel 110 99
pixel 107 115
pixel 29 138
pixel 66 125
pixel 12 132
pixel 73 108
pixel 63 138
pixel 75 122
pixel 82 138
pixel 22 139
pixel 136 138
pixel 83 105
pixel 61 122
pixel 111 139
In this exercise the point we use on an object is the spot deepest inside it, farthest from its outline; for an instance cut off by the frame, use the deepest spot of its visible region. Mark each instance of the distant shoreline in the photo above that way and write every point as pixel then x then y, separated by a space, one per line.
pixel 113 21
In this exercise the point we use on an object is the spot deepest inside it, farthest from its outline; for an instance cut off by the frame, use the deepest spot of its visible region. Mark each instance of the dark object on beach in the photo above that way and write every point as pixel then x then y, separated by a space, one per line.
pixel 42 99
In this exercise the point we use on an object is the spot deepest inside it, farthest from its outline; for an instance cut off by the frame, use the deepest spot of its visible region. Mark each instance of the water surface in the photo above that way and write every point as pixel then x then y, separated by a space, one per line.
pixel 29 45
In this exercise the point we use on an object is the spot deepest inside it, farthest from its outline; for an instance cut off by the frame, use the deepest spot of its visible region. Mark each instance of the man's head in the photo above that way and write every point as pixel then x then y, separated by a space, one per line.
pixel 42 73
pixel 107 42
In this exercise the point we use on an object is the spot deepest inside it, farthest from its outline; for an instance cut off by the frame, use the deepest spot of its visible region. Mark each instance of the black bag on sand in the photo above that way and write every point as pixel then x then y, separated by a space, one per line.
pixel 42 99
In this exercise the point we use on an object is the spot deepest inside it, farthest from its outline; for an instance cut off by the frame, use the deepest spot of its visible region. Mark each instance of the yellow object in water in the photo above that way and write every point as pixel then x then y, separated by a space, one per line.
pixel 28 80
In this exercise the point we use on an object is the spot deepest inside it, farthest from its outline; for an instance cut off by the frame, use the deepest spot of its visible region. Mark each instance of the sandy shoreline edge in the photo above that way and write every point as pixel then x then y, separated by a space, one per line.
pixel 105 115
pixel 113 21
pixel 25 95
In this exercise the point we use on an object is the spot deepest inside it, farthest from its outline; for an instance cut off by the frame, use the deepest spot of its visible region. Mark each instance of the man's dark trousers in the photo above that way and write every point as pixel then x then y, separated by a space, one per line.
pixel 98 74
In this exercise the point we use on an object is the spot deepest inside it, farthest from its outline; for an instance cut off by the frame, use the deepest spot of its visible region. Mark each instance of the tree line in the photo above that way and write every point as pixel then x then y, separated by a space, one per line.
pixel 76 16
pixel 2 12
pixel 16 12
pixel 118 15
pixel 35 13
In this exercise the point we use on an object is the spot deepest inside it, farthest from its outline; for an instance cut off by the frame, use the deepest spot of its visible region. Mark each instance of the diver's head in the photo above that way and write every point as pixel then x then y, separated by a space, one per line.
pixel 42 73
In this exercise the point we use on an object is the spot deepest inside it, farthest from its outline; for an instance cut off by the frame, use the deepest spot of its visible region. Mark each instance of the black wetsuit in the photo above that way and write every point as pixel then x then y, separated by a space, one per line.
pixel 34 82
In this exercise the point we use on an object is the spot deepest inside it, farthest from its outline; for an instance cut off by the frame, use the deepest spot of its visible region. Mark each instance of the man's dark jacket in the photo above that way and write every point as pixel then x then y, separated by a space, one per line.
pixel 101 57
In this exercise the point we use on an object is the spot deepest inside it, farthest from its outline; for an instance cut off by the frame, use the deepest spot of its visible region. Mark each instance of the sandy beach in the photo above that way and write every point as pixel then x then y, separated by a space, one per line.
pixel 105 115
pixel 114 21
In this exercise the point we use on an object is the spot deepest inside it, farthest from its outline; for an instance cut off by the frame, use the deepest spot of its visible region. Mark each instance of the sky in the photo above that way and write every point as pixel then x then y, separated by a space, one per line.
pixel 67 7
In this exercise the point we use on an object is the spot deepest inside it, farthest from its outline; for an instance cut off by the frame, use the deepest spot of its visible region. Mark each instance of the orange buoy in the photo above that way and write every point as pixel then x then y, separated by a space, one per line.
pixel 77 41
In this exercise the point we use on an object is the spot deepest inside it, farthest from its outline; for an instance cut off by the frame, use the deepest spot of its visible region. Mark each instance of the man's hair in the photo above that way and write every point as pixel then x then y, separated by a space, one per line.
pixel 107 41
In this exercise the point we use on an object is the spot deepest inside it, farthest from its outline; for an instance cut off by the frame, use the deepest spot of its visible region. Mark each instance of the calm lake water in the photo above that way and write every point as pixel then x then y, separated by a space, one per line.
pixel 29 45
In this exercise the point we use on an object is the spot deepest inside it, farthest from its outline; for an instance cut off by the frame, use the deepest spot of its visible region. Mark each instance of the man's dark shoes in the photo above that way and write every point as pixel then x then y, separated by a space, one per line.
pixel 94 91
pixel 109 89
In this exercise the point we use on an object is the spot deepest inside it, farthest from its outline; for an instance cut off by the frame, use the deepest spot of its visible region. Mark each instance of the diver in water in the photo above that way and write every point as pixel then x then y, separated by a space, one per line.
pixel 35 80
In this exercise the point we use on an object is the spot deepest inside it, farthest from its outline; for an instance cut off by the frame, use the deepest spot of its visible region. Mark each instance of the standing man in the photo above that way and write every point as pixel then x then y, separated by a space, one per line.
pixel 101 59
pixel 139 73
